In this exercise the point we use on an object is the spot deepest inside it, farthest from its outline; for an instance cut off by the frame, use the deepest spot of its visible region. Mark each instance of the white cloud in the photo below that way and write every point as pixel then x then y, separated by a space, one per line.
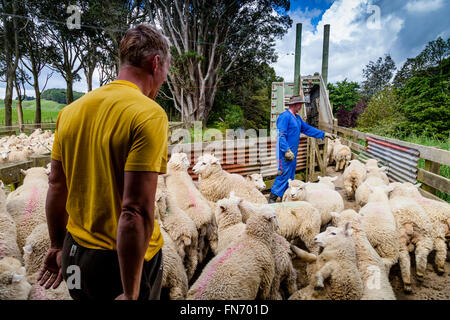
pixel 352 43
pixel 422 6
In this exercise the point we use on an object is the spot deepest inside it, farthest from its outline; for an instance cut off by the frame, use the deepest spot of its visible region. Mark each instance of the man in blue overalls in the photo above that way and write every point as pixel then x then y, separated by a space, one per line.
pixel 289 127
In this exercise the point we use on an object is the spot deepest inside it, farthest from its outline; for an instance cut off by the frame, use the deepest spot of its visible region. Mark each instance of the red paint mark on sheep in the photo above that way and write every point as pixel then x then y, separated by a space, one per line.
pixel 225 256
pixel 192 199
pixel 32 203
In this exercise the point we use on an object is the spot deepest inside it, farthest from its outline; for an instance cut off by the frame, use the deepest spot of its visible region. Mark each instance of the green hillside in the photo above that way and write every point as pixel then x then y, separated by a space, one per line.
pixel 50 110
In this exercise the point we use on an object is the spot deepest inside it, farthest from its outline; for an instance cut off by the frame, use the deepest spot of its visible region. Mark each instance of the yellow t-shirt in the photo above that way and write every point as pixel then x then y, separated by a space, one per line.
pixel 109 130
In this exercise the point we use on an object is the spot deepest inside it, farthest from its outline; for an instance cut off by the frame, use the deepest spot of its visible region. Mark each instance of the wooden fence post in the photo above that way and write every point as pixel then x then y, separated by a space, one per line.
pixel 433 167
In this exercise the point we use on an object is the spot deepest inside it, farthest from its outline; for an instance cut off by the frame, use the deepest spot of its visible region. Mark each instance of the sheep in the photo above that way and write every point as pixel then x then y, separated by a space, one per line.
pixel 337 262
pixel 354 175
pixel 330 149
pixel 13 283
pixel 180 228
pixel 243 271
pixel 329 181
pixel 8 237
pixel 19 155
pixel 26 204
pixel 415 229
pixel 378 172
pixel 323 199
pixel 363 191
pixel 257 180
pixel 371 163
pixel 439 213
pixel 35 249
pixel 174 275
pixel 342 155
pixel 370 265
pixel 380 226
pixel 229 222
pixel 181 189
pixel 38 292
pixel 216 184
pixel 297 220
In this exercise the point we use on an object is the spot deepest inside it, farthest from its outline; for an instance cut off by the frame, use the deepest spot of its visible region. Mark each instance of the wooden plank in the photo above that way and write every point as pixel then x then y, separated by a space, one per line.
pixel 429 195
pixel 433 180
pixel 11 173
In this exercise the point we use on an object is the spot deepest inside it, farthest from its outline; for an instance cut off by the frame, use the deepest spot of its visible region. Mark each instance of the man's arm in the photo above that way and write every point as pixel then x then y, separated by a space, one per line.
pixel 55 208
pixel 311 131
pixel 282 127
pixel 135 228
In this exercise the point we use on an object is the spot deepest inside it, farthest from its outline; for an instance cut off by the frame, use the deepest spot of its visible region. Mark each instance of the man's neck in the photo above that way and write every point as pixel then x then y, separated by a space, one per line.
pixel 292 111
pixel 137 76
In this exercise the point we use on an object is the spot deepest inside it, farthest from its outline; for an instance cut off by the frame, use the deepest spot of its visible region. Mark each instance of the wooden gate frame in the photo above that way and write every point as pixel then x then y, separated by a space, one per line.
pixel 316 149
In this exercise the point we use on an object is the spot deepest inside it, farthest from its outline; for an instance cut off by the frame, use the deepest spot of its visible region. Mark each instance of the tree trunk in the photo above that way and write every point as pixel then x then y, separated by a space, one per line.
pixel 8 100
pixel 38 116
pixel 69 90
pixel 88 72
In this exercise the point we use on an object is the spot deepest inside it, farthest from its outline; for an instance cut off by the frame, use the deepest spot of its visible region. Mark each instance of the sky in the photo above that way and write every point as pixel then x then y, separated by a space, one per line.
pixel 361 31
pixel 358 34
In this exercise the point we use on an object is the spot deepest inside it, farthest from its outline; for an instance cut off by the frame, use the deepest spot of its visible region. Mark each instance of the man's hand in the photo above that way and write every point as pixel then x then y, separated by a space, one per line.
pixel 289 155
pixel 330 136
pixel 50 273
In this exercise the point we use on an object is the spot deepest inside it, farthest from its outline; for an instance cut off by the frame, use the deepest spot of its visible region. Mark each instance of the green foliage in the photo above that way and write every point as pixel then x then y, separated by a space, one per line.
pixel 381 112
pixel 377 75
pixel 343 93
pixel 59 95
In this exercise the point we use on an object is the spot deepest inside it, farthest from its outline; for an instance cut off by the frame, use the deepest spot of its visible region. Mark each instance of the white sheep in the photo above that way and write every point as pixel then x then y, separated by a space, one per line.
pixel 243 271
pixel 415 230
pixel 180 228
pixel 380 226
pixel 378 172
pixel 187 197
pixel 13 282
pixel 324 200
pixel 26 204
pixel 216 184
pixel 256 179
pixel 339 264
pixel 363 191
pixel 353 176
pixel 330 149
pixel 174 275
pixel 439 213
pixel 229 222
pixel 372 268
pixel 329 181
pixel 342 155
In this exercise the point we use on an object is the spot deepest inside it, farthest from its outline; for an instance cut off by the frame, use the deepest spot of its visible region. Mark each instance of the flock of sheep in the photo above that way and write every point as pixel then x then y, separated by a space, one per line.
pixel 306 247
pixel 19 148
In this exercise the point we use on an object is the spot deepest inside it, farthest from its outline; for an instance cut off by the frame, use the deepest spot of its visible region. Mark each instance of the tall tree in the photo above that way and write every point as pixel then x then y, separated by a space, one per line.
pixel 344 94
pixel 37 53
pixel 10 30
pixel 377 75
pixel 212 38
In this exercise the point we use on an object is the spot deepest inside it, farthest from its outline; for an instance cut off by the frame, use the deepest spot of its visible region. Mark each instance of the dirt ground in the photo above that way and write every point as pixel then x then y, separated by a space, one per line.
pixel 434 286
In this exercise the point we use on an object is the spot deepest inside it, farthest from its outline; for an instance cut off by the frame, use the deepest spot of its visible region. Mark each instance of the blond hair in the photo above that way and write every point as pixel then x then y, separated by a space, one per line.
pixel 141 41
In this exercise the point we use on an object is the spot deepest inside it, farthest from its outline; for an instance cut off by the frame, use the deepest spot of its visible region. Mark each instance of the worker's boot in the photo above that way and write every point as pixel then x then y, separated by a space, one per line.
pixel 273 198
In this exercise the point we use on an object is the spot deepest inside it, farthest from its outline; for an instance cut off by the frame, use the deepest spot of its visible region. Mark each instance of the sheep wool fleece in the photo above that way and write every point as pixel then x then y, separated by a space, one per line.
pixel 289 128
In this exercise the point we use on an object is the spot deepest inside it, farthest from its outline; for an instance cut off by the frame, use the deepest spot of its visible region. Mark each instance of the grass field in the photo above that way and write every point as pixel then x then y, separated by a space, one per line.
pixel 50 110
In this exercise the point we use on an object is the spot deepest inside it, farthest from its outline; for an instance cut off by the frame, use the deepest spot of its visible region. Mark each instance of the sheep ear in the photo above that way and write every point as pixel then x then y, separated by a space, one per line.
pixel 348 229
pixel 232 194
pixel 334 214
pixel 17 277
pixel 334 178
pixel 24 172
pixel 369 187
pixel 382 169
pixel 28 249
pixel 417 185
pixel 319 177
pixel 389 189
pixel 222 207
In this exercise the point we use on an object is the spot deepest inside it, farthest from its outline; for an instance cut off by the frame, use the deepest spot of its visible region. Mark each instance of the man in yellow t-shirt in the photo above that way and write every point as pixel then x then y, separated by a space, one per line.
pixel 110 145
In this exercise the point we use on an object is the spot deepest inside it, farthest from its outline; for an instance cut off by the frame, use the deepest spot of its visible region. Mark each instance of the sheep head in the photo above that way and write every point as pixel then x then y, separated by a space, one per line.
pixel 257 180
pixel 297 190
pixel 179 160
pixel 206 164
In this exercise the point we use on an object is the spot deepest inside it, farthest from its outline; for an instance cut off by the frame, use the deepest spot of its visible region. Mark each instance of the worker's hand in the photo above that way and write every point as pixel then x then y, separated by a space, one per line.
pixel 289 155
pixel 330 136
pixel 124 297
pixel 50 273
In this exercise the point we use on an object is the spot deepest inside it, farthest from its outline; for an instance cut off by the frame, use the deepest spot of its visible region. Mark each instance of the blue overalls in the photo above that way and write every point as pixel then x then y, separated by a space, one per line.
pixel 289 128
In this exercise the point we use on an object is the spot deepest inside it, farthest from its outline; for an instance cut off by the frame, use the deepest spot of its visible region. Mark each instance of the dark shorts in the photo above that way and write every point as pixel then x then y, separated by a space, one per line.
pixel 99 273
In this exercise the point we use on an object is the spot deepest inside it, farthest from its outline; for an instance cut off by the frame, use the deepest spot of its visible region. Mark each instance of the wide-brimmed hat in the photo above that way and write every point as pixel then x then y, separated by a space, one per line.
pixel 296 99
